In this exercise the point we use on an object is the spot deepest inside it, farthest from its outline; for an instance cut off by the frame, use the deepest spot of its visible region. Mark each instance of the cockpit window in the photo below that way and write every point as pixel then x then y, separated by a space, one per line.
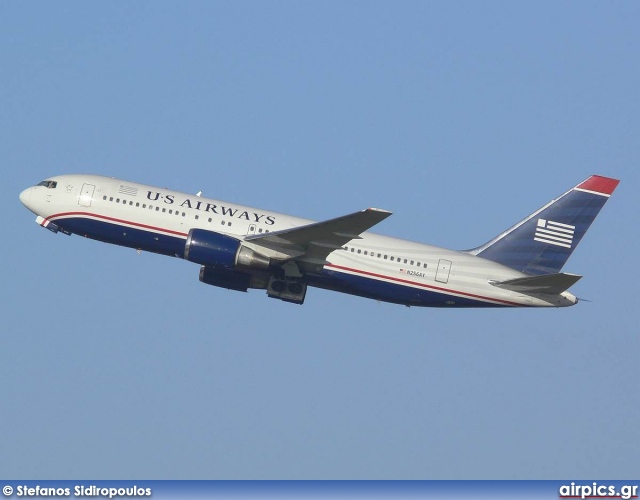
pixel 48 184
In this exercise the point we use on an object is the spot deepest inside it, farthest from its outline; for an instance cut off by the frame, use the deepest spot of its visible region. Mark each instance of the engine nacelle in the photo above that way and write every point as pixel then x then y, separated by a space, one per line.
pixel 232 280
pixel 221 251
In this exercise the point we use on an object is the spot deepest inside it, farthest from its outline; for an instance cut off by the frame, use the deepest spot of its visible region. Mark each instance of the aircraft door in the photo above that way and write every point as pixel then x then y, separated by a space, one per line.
pixel 86 195
pixel 444 268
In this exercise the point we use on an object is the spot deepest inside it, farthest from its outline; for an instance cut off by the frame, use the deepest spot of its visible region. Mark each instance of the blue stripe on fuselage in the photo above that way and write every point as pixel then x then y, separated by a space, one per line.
pixel 397 293
pixel 363 286
pixel 123 235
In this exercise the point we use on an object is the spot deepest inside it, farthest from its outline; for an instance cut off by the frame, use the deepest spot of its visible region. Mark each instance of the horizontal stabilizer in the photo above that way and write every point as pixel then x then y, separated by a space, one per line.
pixel 547 283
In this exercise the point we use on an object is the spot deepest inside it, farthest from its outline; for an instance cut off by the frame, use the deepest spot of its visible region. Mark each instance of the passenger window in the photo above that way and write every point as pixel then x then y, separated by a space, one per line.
pixel 385 257
pixel 170 211
pixel 104 197
pixel 117 200
pixel 111 199
pixel 137 204
pixel 164 210
pixel 391 259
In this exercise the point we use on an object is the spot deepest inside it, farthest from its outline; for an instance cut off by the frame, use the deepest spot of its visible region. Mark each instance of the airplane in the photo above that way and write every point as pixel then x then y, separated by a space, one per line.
pixel 241 248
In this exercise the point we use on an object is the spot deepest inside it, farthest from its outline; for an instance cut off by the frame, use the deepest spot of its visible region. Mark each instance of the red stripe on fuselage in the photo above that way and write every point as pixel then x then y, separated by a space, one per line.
pixel 113 219
pixel 422 285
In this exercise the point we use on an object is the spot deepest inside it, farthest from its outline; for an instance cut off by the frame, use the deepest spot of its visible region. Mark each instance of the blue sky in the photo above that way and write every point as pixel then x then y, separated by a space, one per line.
pixel 460 117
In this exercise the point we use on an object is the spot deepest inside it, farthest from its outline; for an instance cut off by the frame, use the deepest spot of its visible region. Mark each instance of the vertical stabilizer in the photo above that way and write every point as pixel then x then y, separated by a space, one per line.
pixel 542 243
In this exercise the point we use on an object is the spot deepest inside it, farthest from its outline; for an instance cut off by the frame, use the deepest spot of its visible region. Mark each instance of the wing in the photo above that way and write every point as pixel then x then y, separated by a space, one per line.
pixel 546 283
pixel 310 245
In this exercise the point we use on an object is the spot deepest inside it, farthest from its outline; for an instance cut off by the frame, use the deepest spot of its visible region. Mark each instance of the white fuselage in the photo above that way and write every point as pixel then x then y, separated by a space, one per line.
pixel 159 220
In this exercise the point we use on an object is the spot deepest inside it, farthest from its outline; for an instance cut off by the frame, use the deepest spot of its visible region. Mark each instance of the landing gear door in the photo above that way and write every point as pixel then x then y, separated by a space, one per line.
pixel 86 195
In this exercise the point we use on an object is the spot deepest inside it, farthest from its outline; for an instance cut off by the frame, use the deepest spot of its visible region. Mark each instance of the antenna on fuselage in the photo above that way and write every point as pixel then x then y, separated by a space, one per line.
pixel 199 193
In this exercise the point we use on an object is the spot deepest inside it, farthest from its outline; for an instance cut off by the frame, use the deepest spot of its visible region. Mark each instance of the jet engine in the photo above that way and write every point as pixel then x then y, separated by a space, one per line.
pixel 233 280
pixel 220 251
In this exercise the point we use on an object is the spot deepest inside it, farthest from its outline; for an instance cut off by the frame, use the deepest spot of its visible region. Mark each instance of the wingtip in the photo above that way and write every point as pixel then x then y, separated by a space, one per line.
pixel 381 210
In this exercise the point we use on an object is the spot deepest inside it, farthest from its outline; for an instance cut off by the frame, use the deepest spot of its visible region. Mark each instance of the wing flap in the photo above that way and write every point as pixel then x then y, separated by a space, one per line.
pixel 553 284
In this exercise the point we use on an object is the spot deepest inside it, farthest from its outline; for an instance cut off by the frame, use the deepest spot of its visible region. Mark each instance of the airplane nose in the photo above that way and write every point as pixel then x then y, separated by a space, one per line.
pixel 25 197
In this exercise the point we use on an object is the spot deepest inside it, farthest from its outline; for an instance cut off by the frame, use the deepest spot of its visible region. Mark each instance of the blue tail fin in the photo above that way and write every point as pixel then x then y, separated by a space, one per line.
pixel 542 243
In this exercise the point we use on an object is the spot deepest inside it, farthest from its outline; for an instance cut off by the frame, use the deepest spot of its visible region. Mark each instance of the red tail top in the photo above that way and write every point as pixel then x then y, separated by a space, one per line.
pixel 599 184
